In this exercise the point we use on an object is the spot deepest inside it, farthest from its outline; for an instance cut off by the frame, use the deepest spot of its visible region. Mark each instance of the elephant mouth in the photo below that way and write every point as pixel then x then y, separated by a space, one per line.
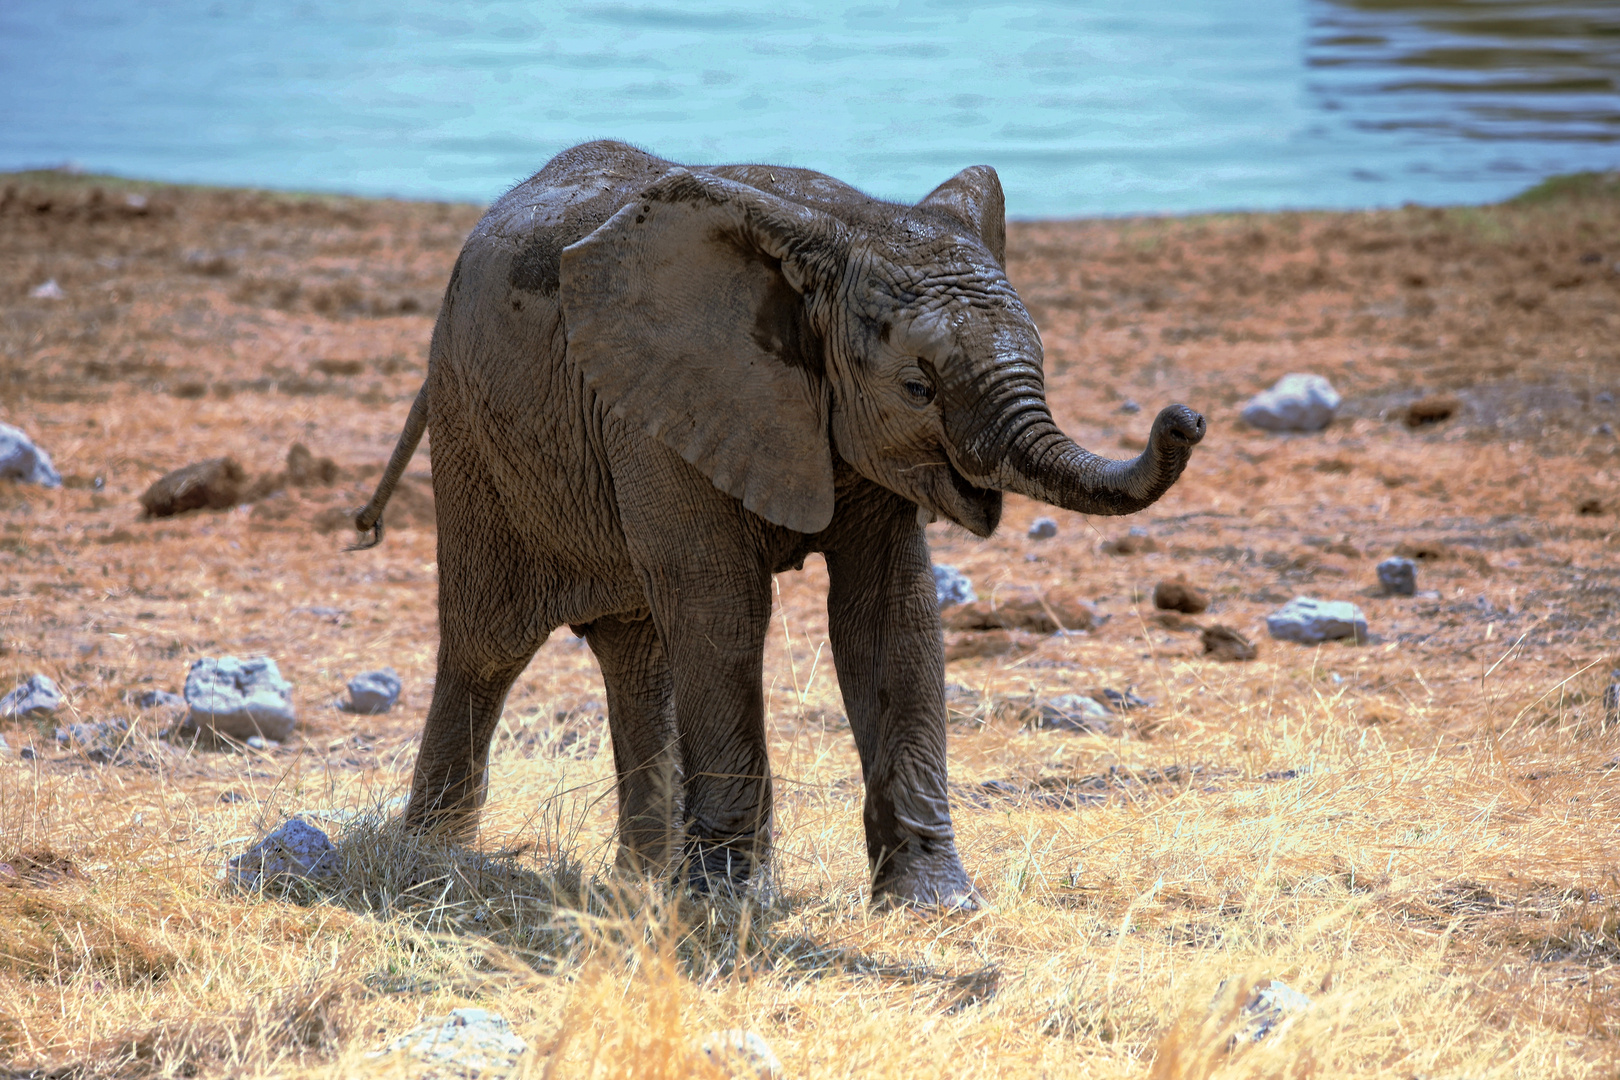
pixel 976 509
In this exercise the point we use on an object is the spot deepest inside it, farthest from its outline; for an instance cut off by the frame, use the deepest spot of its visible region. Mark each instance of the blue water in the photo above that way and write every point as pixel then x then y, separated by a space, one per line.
pixel 1107 106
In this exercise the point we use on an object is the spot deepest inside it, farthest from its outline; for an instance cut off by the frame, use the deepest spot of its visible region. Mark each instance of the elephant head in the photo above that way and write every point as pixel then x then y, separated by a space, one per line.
pixel 757 335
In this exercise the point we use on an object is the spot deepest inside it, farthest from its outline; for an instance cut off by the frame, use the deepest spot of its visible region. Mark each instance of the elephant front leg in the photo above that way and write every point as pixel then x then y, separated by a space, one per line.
pixel 883 621
pixel 646 751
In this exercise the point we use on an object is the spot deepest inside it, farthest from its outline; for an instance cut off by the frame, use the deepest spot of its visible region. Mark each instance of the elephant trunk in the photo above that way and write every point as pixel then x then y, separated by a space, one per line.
pixel 1016 446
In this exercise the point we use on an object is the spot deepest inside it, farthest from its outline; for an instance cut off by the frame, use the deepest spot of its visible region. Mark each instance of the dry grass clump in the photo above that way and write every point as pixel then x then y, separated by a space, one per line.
pixel 1420 833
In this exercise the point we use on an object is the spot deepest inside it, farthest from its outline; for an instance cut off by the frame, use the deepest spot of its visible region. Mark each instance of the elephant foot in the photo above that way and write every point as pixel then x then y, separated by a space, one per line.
pixel 934 881
pixel 720 868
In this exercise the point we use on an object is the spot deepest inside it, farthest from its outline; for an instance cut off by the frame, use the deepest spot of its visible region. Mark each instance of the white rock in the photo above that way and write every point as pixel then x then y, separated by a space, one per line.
pixel 1310 622
pixel 1295 403
pixel 50 290
pixel 38 697
pixel 295 849
pixel 1269 1007
pixel 741 1054
pixel 240 698
pixel 468 1042
pixel 951 586
pixel 21 460
pixel 1043 529
pixel 159 699
pixel 373 692
pixel 1075 712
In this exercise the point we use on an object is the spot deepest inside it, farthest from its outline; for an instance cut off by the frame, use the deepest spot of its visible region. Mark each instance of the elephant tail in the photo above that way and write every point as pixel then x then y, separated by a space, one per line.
pixel 369 519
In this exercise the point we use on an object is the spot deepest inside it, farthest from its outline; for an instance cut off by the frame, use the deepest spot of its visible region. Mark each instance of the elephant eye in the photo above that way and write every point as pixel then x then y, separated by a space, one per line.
pixel 920 391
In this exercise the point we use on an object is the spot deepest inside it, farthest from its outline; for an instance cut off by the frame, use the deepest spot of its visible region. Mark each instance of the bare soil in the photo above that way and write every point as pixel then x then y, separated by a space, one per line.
pixel 1424 825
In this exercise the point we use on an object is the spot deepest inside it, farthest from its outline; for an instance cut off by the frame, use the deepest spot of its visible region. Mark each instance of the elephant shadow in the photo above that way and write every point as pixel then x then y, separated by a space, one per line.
pixel 546 907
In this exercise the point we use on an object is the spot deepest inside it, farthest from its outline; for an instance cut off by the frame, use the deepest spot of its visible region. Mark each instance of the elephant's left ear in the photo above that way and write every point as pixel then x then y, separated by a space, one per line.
pixel 973 197
pixel 687 314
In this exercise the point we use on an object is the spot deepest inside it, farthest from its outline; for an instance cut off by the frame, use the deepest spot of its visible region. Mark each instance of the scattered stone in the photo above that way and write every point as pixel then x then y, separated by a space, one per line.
pixel 258 742
pixel 48 291
pixel 1075 712
pixel 1296 403
pixel 1224 643
pixel 36 697
pixel 467 1043
pixel 1024 610
pixel 741 1054
pixel 1135 542
pixel 100 742
pixel 1398 576
pixel 1431 410
pixel 295 849
pixel 5 747
pixel 21 460
pixel 1043 529
pixel 1180 595
pixel 229 797
pixel 373 692
pixel 952 586
pixel 1270 1006
pixel 215 484
pixel 28 753
pixel 240 698
pixel 1311 622
pixel 1130 407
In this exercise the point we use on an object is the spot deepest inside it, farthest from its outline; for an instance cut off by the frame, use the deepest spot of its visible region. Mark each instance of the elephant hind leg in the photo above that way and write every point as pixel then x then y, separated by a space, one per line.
pixel 447 790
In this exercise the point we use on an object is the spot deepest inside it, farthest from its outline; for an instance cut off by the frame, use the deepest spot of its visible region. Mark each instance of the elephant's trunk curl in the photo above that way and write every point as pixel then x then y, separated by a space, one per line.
pixel 1020 449
pixel 1046 464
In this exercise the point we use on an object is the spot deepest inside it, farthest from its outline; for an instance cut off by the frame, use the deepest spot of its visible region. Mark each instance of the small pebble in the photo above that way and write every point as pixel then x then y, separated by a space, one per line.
pixel 1130 407
pixel 1398 576
pixel 951 586
pixel 1043 529
pixel 741 1054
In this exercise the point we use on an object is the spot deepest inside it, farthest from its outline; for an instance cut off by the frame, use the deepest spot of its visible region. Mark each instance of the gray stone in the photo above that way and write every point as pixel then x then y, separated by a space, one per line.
pixel 468 1042
pixel 741 1054
pixel 1398 576
pixel 1269 1007
pixel 1075 712
pixel 36 697
pixel 373 692
pixel 1296 403
pixel 1130 407
pixel 951 586
pixel 50 290
pixel 1043 529
pixel 5 747
pixel 1311 622
pixel 258 742
pixel 240 698
pixel 295 849
pixel 21 460
pixel 101 742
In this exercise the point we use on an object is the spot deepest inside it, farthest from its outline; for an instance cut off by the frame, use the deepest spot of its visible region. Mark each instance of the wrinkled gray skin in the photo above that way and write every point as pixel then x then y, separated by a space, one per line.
pixel 650 388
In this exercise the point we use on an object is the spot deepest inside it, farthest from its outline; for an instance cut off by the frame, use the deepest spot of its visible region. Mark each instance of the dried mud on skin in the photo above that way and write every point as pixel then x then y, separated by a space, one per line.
pixel 1478 352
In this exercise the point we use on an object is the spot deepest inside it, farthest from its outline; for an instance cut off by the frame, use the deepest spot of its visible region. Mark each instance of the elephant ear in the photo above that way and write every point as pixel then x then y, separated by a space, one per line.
pixel 973 197
pixel 687 315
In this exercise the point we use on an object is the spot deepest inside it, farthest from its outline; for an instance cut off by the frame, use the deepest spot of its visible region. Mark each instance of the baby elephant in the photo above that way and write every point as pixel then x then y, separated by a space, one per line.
pixel 650 388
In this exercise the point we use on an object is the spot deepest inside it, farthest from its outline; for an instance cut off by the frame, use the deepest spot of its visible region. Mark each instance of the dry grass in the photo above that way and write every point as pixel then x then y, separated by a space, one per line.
pixel 1420 833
